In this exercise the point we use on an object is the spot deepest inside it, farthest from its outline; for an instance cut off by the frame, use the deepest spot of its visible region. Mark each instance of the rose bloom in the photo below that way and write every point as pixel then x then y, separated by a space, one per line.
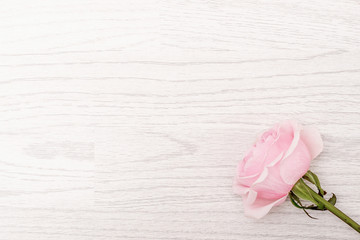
pixel 278 159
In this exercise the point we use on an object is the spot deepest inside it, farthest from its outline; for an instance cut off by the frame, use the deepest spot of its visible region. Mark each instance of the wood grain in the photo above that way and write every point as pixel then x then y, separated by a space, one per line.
pixel 126 119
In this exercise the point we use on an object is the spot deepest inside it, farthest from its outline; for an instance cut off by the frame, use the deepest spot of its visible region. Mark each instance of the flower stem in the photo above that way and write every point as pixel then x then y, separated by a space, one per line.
pixel 335 210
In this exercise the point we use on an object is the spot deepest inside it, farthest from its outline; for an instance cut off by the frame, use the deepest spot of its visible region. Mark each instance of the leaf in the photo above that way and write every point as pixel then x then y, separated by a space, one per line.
pixel 301 190
pixel 293 201
pixel 311 177
pixel 297 203
pixel 309 214
pixel 313 207
pixel 320 206
pixel 332 200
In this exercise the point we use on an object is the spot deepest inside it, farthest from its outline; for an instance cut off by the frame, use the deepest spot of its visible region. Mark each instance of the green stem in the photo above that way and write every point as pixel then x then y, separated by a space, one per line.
pixel 334 210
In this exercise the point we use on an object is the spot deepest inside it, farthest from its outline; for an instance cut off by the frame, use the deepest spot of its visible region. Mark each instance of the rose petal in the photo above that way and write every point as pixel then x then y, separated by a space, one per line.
pixel 240 185
pixel 261 207
pixel 247 180
pixel 240 189
pixel 285 135
pixel 312 139
pixel 251 197
pixel 296 136
pixel 270 184
pixel 254 163
pixel 295 165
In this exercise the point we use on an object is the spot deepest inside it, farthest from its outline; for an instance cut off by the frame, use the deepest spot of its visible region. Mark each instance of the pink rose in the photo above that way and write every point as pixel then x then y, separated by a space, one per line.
pixel 269 170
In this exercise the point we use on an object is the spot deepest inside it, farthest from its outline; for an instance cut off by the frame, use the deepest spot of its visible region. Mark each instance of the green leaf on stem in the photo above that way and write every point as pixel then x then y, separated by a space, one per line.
pixel 332 200
pixel 297 203
pixel 300 190
pixel 311 177
pixel 294 199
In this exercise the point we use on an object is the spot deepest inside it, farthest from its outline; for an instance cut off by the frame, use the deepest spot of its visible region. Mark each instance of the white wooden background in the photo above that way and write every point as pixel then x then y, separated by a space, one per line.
pixel 126 119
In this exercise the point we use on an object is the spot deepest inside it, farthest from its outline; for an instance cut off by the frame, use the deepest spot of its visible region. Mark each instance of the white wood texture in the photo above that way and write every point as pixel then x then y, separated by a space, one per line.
pixel 126 119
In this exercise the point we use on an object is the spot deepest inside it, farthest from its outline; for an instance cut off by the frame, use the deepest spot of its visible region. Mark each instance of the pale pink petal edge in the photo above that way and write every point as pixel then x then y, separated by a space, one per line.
pixel 239 189
pixel 313 141
pixel 260 208
pixel 296 130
